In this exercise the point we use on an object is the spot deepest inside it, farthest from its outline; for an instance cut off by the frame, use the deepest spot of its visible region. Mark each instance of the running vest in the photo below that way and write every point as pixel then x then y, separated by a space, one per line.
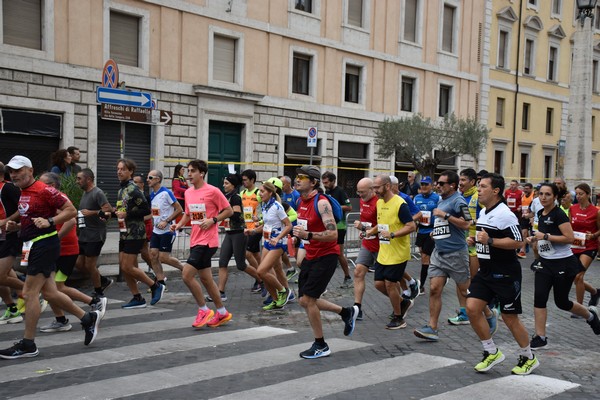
pixel 250 201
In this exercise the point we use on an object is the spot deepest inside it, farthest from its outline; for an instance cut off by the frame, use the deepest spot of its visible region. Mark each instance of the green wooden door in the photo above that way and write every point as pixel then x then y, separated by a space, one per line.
pixel 224 147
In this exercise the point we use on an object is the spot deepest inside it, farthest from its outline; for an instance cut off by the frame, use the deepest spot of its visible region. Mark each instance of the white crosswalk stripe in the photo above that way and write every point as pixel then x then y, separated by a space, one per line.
pixel 103 370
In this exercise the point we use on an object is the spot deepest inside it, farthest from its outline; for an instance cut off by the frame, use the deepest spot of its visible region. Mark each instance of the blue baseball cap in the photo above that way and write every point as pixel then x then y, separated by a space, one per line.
pixel 426 180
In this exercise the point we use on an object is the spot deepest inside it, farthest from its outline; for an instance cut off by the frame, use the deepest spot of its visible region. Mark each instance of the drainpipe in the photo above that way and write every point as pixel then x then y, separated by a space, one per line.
pixel 514 139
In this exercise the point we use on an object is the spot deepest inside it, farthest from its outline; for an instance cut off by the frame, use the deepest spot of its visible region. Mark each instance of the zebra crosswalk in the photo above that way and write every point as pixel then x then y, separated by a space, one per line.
pixel 154 353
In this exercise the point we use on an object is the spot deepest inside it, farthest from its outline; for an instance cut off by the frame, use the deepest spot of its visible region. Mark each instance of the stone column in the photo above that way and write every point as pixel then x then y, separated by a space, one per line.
pixel 578 150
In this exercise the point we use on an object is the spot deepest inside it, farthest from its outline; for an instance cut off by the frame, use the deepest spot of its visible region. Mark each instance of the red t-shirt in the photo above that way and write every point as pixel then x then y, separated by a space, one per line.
pixel 368 218
pixel 38 200
pixel 312 222
pixel 69 244
pixel 513 199
pixel 584 221
pixel 204 203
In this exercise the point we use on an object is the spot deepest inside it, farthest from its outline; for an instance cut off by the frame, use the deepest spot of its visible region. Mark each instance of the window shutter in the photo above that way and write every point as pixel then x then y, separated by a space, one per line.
pixel 224 59
pixel 355 12
pixel 448 29
pixel 410 20
pixel 124 38
pixel 22 23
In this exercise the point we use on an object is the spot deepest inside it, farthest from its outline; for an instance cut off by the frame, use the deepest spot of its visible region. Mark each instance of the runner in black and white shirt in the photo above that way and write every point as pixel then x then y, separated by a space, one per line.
pixel 498 236
pixel 558 266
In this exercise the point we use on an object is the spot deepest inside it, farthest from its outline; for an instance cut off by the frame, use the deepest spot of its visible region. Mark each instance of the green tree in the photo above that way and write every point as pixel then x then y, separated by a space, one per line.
pixel 415 138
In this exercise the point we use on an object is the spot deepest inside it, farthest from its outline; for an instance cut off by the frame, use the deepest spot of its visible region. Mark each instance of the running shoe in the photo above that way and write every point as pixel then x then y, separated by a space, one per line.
pixel 525 365
pixel 105 283
pixel 536 265
pixel 460 319
pixel 56 326
pixel 422 290
pixel 538 343
pixel 21 305
pixel 219 319
pixel 405 306
pixel 291 296
pixel 522 254
pixel 594 323
pixel 272 306
pixel 157 293
pixel 291 274
pixel 11 317
pixel 316 351
pixel 428 333
pixel 263 290
pixel 202 318
pixel 18 350
pixel 347 284
pixel 256 288
pixel 414 289
pixel 282 297
pixel 396 323
pixel 350 321
pixel 91 327
pixel 594 298
pixel 268 300
pixel 493 321
pixel 209 299
pixel 489 360
pixel 359 317
pixel 99 304
pixel 135 303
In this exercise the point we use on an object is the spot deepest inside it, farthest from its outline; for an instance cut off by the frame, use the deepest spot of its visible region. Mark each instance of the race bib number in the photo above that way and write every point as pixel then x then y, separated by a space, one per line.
pixel 545 248
pixel 122 226
pixel 441 229
pixel 425 218
pixel 383 228
pixel 225 224
pixel 367 226
pixel 155 212
pixel 511 202
pixel 80 220
pixel 267 229
pixel 483 250
pixel 248 212
pixel 304 225
pixel 197 213
pixel 524 210
pixel 25 253
pixel 578 240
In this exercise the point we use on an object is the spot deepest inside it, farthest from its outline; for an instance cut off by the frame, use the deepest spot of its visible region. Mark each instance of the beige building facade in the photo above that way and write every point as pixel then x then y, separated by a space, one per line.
pixel 244 79
pixel 525 86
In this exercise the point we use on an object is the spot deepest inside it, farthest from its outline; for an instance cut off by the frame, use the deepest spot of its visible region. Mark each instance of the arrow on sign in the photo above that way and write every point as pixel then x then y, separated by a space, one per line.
pixel 166 117
pixel 123 97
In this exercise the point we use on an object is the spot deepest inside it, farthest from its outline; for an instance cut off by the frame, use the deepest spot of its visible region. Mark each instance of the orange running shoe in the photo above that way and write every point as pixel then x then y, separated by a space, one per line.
pixel 219 319
pixel 203 317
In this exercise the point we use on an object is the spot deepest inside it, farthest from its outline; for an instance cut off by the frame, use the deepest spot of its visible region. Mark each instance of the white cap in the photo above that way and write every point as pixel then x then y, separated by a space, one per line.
pixel 18 162
pixel 393 179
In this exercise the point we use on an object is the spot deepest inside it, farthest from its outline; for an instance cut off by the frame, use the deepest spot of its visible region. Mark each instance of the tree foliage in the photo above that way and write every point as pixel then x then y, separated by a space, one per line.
pixel 426 143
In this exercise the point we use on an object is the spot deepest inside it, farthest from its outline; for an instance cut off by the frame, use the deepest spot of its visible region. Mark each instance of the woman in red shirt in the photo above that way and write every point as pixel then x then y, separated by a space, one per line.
pixel 585 220
pixel 179 184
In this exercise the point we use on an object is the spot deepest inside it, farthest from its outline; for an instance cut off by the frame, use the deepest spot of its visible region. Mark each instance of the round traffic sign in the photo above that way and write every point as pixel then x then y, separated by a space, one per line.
pixel 312 132
pixel 110 74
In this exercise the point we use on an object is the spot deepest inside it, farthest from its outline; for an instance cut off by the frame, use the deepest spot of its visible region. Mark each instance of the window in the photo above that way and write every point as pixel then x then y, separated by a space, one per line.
pixel 410 20
pixel 224 58
pixel 525 117
pixel 352 83
pixel 523 171
pixel 353 162
pixel 532 3
pixel 355 13
pixel 444 101
pixel 303 5
pixel 296 154
pixel 549 120
pixel 595 75
pixel 406 102
pixel 548 168
pixel 301 74
pixel 503 50
pixel 448 29
pixel 593 128
pixel 556 7
pixel 22 23
pixel 499 111
pixel 498 161
pixel 597 20
pixel 552 63
pixel 124 38
pixel 528 64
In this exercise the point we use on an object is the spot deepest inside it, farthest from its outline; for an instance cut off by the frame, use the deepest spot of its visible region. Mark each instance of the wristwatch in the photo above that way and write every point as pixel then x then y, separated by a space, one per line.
pixel 545 236
pixel 215 220
pixel 392 235
pixel 51 221
pixel 447 216
pixel 490 241
pixel 309 236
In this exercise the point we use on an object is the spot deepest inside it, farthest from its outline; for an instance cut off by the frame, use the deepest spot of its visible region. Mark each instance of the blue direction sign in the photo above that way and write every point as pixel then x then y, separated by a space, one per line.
pixel 123 97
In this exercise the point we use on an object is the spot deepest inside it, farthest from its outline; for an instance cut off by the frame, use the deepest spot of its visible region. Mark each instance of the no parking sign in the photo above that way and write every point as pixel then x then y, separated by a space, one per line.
pixel 312 137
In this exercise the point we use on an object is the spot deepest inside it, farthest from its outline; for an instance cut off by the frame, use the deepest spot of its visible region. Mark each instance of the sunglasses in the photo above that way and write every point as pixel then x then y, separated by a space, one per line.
pixel 441 183
pixel 150 177
pixel 302 177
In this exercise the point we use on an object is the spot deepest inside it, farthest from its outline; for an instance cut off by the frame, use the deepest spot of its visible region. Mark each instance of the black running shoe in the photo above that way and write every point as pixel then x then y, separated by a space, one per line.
pixel 405 305
pixel 105 283
pixel 316 351
pixel 18 350
pixel 350 321
pixel 594 298
pixel 595 323
pixel 91 328
pixel 538 343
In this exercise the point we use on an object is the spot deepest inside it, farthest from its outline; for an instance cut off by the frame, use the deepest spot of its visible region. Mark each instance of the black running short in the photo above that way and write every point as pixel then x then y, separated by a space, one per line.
pixel 315 275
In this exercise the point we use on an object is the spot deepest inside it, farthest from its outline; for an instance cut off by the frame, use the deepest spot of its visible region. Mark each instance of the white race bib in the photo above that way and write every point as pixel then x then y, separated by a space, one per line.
pixel 441 229
pixel 367 226
pixel 25 253
pixel 483 250
pixel 511 202
pixel 545 248
pixel 578 240
pixel 303 223
pixel 122 226
pixel 524 210
pixel 80 220
pixel 248 212
pixel 425 218
pixel 197 213
pixel 383 228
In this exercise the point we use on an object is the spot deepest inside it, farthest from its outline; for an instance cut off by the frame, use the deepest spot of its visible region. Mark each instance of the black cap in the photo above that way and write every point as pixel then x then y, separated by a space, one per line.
pixel 310 170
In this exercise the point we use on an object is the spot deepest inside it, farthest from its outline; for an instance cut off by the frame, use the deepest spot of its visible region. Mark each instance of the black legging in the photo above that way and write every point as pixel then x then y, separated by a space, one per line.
pixel 561 285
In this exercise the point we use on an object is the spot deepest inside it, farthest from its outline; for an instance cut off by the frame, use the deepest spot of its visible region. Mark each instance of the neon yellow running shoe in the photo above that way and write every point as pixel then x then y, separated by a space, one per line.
pixel 525 365
pixel 489 360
